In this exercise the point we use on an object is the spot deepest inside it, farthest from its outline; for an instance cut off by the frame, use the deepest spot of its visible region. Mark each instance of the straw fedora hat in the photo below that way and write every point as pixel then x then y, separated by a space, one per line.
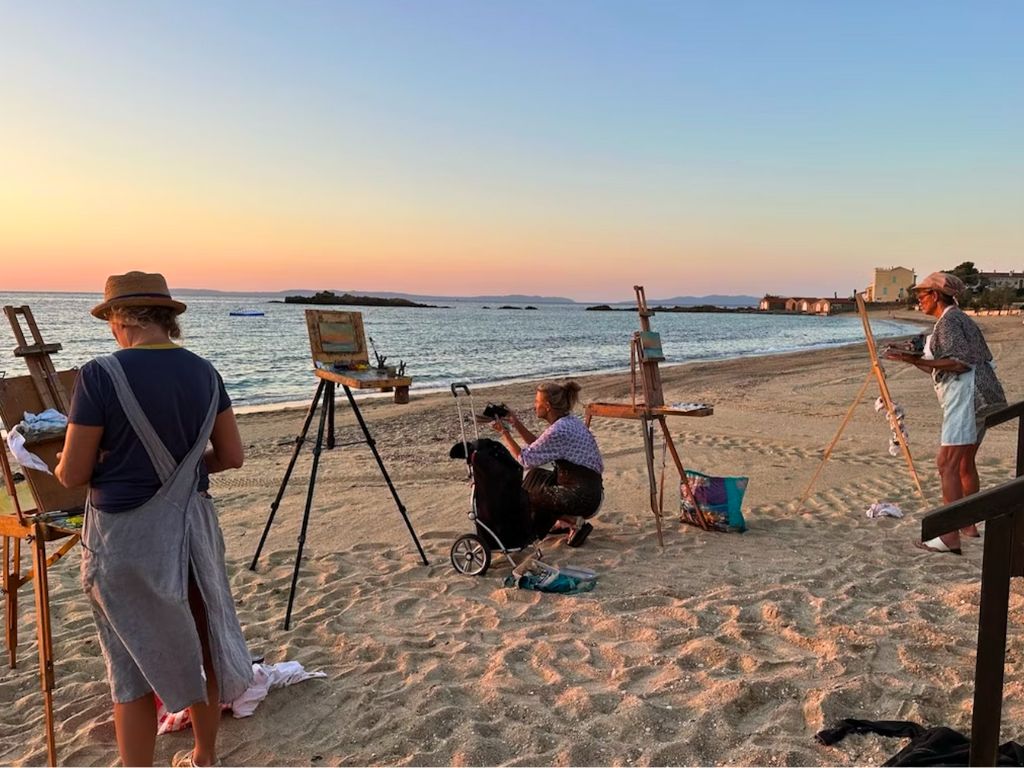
pixel 136 289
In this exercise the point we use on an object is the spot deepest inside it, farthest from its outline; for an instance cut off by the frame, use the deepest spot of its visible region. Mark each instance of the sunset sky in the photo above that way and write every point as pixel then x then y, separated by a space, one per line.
pixel 556 148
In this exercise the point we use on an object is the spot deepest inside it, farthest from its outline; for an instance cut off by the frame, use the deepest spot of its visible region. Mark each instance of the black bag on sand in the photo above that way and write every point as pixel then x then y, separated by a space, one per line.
pixel 928 746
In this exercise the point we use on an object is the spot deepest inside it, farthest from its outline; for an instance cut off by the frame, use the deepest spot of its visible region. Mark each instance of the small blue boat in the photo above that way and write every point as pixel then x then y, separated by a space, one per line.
pixel 246 313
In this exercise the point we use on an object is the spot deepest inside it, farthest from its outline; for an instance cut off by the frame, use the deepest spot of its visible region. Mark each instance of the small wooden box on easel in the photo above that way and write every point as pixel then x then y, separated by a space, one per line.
pixel 54 505
pixel 644 355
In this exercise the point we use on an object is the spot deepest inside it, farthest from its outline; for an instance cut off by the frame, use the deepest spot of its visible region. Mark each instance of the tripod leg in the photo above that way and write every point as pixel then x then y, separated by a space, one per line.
pixel 329 402
pixel 305 515
pixel 383 470
pixel 288 473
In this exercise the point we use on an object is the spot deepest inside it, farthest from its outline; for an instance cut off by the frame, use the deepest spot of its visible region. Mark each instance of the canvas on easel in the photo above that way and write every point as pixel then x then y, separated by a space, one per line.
pixel 338 344
pixel 47 519
pixel 876 372
pixel 647 404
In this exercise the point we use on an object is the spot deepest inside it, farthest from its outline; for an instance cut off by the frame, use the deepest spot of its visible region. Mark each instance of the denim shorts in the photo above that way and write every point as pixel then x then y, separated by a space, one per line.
pixel 959 421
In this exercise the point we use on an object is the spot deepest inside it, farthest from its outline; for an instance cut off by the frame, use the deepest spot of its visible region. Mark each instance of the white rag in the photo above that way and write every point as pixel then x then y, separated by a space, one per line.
pixel 885 509
pixel 25 457
pixel 264 678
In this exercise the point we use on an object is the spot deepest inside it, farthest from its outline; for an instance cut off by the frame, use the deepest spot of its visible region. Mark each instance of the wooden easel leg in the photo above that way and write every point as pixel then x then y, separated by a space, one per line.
pixel 648 430
pixel 706 523
pixel 44 636
pixel 883 389
pixel 12 575
pixel 839 433
pixel 890 409
pixel 299 441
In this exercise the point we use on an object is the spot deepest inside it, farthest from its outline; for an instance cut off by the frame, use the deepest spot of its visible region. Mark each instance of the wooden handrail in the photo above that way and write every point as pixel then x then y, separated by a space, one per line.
pixel 977 508
pixel 1013 411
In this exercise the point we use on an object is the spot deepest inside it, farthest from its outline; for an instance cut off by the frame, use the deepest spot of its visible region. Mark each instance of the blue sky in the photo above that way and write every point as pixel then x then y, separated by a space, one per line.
pixel 728 147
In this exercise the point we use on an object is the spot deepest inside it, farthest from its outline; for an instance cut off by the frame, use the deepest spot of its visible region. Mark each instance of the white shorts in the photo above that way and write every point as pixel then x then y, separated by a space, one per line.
pixel 959 420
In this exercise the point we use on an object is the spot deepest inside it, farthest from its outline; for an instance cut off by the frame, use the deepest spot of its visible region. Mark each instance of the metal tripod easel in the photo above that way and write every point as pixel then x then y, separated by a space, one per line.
pixel 325 392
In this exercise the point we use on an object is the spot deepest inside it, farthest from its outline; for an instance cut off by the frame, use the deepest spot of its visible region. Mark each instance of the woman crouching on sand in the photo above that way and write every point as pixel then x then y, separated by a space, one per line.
pixel 152 549
pixel 573 492
pixel 960 363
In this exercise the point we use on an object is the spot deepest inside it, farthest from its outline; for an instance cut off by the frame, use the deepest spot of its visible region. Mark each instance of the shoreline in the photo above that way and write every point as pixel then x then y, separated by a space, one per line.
pixel 429 391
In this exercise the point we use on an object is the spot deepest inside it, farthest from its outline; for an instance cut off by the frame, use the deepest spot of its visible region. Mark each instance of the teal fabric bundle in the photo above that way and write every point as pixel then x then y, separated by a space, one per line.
pixel 552 578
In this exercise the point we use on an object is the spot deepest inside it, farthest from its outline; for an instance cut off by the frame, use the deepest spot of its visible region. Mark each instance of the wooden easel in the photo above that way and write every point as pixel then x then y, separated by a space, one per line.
pixel 644 355
pixel 337 342
pixel 43 388
pixel 877 373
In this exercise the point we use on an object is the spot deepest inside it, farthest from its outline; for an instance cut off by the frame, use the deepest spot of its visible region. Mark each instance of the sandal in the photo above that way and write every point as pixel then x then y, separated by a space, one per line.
pixel 183 759
pixel 938 546
pixel 578 536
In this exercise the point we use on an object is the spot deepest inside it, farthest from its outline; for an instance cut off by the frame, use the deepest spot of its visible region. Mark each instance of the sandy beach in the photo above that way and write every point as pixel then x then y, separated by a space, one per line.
pixel 718 649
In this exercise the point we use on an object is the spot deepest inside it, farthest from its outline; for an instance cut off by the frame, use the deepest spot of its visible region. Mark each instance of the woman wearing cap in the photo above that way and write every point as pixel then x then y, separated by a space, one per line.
pixel 960 363
pixel 573 492
pixel 153 554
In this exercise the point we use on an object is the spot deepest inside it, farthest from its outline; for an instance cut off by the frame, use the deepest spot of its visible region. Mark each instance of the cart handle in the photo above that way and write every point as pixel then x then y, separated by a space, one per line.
pixel 457 386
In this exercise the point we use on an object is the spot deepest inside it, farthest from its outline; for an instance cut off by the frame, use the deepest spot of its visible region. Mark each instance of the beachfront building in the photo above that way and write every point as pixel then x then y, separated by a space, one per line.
pixel 891 284
pixel 772 304
pixel 1011 279
pixel 807 305
pixel 832 306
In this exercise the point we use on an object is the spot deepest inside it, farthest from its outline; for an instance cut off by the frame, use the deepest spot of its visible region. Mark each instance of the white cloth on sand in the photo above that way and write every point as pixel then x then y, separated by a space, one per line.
pixel 264 678
pixel 885 509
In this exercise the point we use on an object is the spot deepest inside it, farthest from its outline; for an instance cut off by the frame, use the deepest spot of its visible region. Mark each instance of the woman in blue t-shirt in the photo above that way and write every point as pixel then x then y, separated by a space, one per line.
pixel 147 426
pixel 573 491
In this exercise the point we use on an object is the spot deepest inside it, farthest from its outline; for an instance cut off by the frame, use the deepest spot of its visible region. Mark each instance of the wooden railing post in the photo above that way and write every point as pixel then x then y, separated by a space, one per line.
pixel 991 651
pixel 1002 510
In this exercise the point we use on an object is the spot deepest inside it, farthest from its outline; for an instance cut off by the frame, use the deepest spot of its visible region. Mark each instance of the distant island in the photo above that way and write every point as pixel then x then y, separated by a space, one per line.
pixel 347 299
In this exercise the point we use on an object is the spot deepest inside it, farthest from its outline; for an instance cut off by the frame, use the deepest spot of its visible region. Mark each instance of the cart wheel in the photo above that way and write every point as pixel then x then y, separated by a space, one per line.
pixel 470 556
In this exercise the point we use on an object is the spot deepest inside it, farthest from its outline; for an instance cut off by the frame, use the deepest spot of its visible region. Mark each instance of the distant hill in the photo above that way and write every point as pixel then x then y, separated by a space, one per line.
pixel 715 300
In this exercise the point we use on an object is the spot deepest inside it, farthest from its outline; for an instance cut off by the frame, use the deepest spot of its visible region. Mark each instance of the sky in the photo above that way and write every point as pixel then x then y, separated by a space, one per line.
pixel 557 148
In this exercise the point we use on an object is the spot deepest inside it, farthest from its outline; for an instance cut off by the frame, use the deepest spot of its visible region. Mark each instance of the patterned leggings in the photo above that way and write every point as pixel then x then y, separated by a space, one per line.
pixel 569 491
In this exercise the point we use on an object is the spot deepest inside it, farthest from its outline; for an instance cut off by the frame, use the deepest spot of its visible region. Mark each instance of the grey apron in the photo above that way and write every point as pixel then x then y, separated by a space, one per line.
pixel 135 570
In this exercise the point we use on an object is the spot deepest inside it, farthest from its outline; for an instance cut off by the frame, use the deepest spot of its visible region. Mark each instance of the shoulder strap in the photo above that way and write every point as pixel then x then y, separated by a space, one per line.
pixel 163 461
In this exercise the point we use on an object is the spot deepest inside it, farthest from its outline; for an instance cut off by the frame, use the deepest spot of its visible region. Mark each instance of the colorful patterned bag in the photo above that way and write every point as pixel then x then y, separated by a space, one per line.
pixel 719 497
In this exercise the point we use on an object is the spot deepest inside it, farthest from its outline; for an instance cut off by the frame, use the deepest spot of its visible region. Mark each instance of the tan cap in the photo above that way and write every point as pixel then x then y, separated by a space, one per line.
pixel 136 289
pixel 943 282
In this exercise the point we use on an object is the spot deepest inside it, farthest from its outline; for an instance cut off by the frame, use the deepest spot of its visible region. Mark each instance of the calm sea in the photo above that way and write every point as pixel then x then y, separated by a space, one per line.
pixel 266 360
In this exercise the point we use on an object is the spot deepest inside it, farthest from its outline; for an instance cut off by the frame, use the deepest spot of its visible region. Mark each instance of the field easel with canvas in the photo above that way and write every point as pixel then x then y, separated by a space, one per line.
pixel 340 357
pixel 644 355
pixel 46 520
pixel 877 372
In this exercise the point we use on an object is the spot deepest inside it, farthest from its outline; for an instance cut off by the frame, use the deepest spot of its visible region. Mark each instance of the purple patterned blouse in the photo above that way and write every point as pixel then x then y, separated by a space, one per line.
pixel 568 439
